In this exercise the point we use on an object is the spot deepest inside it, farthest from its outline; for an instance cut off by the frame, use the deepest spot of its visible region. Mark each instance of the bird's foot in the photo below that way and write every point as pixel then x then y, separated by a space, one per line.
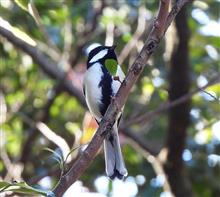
pixel 116 78
pixel 113 98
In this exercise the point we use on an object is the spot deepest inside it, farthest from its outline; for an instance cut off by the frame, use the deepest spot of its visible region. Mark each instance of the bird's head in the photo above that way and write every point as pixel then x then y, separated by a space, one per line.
pixel 100 53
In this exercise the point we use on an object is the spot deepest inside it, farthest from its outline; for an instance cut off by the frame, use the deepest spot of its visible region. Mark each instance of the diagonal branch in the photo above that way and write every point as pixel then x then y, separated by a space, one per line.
pixel 47 66
pixel 90 28
pixel 48 133
pixel 152 42
pixel 150 155
pixel 36 16
pixel 140 141
pixel 150 115
pixel 137 34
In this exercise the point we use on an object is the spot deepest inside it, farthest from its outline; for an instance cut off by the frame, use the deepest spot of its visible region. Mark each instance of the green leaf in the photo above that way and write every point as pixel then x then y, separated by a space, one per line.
pixel 111 65
pixel 22 4
pixel 24 188
pixel 127 37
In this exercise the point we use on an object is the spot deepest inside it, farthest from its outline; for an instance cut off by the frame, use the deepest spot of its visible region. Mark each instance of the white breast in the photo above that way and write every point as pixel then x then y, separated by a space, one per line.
pixel 92 90
pixel 116 84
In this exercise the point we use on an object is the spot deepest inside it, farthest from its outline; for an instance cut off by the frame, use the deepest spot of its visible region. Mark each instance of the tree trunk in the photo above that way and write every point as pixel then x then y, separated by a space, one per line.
pixel 179 79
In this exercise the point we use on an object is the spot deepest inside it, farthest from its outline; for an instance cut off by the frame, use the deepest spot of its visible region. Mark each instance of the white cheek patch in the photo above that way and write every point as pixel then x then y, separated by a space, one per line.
pixel 99 55
pixel 91 47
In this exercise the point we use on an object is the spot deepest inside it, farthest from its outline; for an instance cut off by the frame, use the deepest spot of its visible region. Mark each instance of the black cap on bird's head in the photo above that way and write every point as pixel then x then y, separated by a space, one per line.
pixel 99 53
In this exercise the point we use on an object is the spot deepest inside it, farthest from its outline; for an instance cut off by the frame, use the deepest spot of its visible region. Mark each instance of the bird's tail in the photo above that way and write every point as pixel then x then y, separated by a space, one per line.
pixel 114 162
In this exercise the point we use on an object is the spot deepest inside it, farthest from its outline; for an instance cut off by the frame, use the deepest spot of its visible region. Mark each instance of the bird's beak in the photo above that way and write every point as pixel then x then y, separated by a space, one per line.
pixel 113 47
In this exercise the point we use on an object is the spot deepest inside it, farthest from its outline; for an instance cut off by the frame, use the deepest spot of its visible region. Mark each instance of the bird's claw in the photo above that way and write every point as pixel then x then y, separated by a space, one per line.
pixel 116 78
pixel 113 98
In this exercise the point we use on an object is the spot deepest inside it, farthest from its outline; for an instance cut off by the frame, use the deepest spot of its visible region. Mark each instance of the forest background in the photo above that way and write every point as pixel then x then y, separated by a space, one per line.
pixel 170 131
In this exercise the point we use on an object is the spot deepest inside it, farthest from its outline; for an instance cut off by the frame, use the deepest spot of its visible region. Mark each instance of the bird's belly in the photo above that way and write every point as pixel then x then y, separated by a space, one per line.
pixel 93 102
pixel 93 92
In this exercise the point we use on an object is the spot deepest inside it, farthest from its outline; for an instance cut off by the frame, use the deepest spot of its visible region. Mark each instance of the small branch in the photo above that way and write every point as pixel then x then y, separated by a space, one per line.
pixel 43 116
pixel 109 119
pixel 53 137
pixel 49 134
pixel 68 38
pixel 139 31
pixel 34 13
pixel 47 66
pixel 140 141
pixel 87 34
pixel 109 39
pixel 211 95
pixel 91 26
pixel 13 170
pixel 150 115
pixel 44 48
pixel 141 147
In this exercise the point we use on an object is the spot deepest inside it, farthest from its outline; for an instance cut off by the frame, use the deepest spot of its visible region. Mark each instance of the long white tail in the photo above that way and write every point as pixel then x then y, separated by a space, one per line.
pixel 114 162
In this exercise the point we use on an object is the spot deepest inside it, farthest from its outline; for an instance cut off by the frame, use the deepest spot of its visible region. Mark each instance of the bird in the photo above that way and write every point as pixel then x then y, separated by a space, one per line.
pixel 102 80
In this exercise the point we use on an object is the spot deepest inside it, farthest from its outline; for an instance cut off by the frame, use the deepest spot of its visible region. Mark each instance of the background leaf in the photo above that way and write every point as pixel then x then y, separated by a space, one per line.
pixel 111 66
pixel 23 188
pixel 22 4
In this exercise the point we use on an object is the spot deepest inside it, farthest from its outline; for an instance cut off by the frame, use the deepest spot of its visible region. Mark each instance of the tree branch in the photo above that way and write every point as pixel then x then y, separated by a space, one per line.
pixel 42 116
pixel 48 133
pixel 141 147
pixel 89 29
pixel 150 115
pixel 140 141
pixel 36 16
pixel 137 34
pixel 116 104
pixel 47 66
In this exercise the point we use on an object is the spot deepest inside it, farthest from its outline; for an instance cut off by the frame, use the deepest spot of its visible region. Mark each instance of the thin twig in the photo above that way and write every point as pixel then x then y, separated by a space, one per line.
pixel 34 13
pixel 141 141
pixel 154 160
pixel 211 95
pixel 90 28
pixel 48 133
pixel 43 116
pixel 139 31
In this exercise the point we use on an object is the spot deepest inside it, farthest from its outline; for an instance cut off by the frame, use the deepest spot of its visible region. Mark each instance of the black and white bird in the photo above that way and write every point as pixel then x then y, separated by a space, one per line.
pixel 101 82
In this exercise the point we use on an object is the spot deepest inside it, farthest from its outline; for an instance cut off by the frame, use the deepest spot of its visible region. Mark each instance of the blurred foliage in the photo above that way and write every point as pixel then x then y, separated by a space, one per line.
pixel 23 188
pixel 26 90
